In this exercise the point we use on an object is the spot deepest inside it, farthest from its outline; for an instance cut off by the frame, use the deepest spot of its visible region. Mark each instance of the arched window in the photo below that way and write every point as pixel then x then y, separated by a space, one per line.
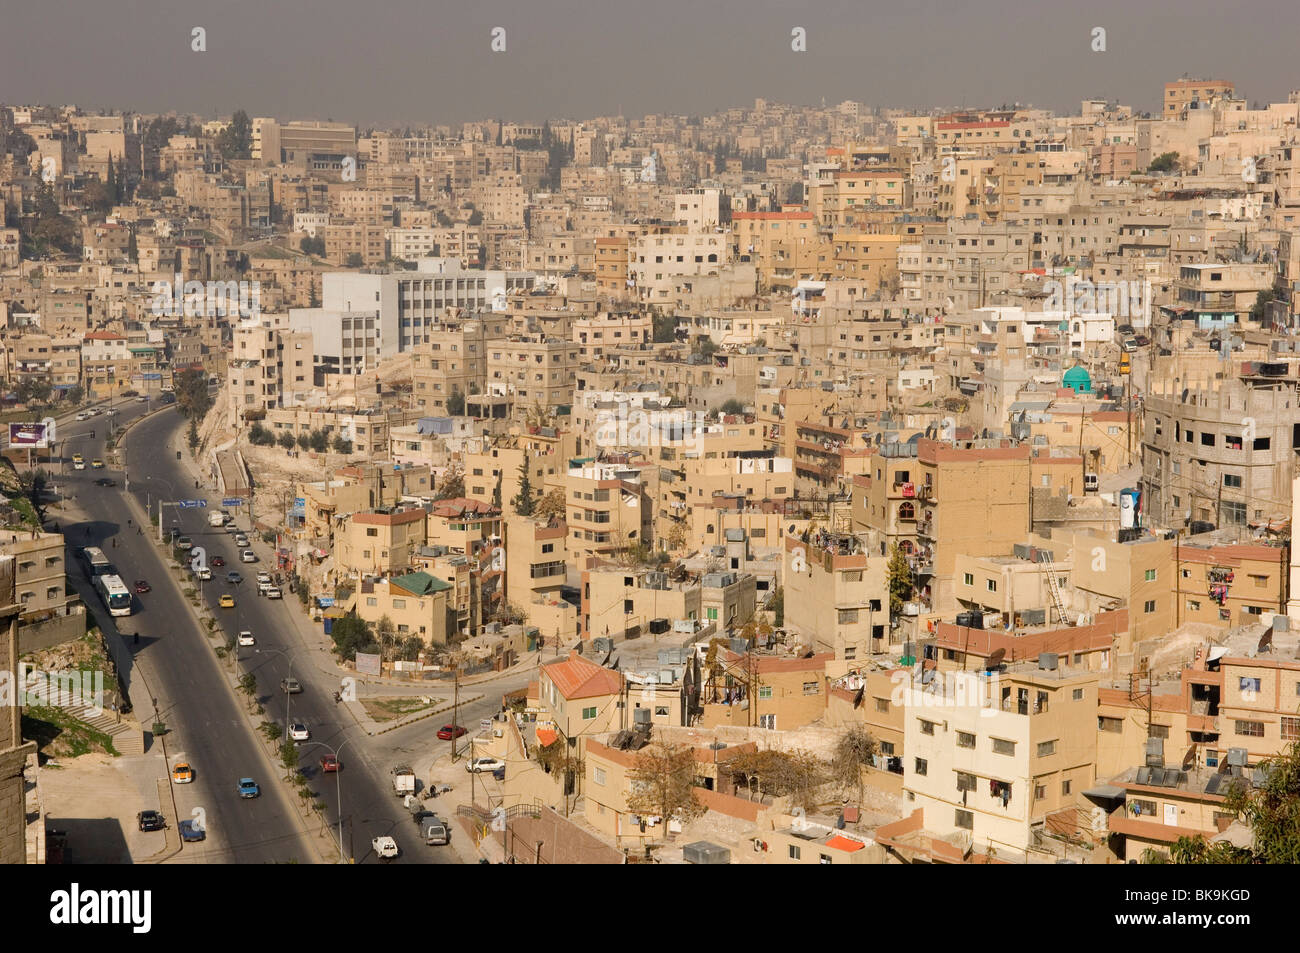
pixel 905 546
pixel 906 511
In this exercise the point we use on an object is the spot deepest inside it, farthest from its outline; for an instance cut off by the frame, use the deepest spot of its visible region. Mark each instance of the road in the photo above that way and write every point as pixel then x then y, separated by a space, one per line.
pixel 369 806
pixel 206 727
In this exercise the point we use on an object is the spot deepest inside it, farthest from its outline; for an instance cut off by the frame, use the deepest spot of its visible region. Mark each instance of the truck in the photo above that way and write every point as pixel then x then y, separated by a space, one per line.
pixel 403 780
pixel 217 518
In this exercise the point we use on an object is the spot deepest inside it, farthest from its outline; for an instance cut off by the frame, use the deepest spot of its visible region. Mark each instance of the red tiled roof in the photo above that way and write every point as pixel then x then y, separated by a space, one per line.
pixel 576 677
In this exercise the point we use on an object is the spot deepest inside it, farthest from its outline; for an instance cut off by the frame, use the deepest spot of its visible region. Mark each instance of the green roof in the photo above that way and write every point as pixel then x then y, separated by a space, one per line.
pixel 421 583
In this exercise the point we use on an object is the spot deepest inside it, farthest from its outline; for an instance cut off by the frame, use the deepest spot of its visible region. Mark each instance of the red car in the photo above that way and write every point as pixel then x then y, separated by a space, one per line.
pixel 447 732
pixel 329 764
pixel 218 562
pixel 141 587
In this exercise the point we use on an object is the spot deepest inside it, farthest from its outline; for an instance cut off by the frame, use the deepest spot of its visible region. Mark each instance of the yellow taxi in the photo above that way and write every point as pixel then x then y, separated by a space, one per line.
pixel 182 773
pixel 97 464
pixel 227 601
pixel 78 458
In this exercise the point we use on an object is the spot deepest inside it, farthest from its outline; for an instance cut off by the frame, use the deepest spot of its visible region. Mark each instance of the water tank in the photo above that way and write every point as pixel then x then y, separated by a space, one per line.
pixel 1047 661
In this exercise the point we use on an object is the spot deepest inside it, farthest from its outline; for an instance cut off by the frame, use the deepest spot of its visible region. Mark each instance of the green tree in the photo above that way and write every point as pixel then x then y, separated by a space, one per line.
pixel 776 605
pixel 456 403
pixel 451 486
pixel 303 441
pixel 663 783
pixel 319 440
pixel 475 217
pixel 1260 306
pixel 900 580
pixel 523 500
pixel 194 435
pixel 75 394
pixel 260 436
pixel 386 633
pixel 665 328
pixel 312 246
pixel 193 399
pixel 354 260
pixel 340 445
pixel 285 440
pixel 349 634
pixel 34 391
pixel 236 140
pixel 552 504
pixel 733 406
pixel 705 347
pixel 1165 162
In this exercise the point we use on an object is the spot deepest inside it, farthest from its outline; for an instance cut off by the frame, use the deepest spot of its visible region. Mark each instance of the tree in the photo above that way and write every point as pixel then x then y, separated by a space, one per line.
pixel 798 775
pixel 475 217
pixel 312 246
pixel 663 783
pixel 776 605
pixel 1165 162
pixel 236 140
pixel 319 441
pixel 260 436
pixel 354 260
pixel 193 437
pixel 451 486
pixel 33 484
pixel 193 399
pixel 552 504
pixel 303 441
pixel 523 500
pixel 34 391
pixel 853 751
pixel 340 445
pixel 285 440
pixel 386 633
pixel 456 403
pixel 75 394
pixel 665 328
pixel 733 406
pixel 350 634
pixel 48 228
pixel 705 347
pixel 899 574
pixel 1260 306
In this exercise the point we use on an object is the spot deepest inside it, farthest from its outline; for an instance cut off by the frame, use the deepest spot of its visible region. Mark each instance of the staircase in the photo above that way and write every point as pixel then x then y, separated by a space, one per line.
pixel 126 736
pixel 1054 587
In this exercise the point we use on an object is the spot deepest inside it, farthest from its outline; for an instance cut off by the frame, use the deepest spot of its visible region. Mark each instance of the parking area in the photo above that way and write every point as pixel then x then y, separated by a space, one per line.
pixel 95 799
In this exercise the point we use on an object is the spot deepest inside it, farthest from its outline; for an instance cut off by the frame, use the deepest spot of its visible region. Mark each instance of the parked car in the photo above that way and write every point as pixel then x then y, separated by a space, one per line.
pixel 182 773
pixel 299 732
pixel 204 573
pixel 184 542
pixel 141 587
pixel 475 765
pixel 227 601
pixel 385 847
pixel 191 831
pixel 329 764
pixel 143 399
pixel 448 732
pixel 105 481
pixel 246 638
pixel 84 415
pixel 274 593
pixel 151 821
pixel 433 829
pixel 291 686
pixel 263 586
pixel 97 464
pixel 248 788
pixel 241 540
pixel 248 556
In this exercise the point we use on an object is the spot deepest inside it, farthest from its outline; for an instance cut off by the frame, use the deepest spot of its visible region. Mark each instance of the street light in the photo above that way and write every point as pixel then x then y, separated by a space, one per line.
pixel 288 696
pixel 338 785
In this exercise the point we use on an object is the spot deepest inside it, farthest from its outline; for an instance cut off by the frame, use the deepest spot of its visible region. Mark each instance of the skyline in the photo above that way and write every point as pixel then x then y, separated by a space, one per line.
pixel 443 75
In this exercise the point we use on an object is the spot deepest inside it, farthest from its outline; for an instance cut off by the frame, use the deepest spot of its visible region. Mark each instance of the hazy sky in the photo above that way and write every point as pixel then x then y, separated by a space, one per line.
pixel 426 61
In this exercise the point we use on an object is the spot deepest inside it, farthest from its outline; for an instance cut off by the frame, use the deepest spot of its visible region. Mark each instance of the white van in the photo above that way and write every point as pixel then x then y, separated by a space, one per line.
pixel 217 518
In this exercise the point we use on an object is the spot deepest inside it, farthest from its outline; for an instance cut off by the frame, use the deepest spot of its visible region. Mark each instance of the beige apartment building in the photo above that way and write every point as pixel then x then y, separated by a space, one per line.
pixel 39 572
pixel 779 694
pixel 617 601
pixel 837 601
pixel 606 510
pixel 380 543
pixel 416 603
pixel 535 559
pixel 533 371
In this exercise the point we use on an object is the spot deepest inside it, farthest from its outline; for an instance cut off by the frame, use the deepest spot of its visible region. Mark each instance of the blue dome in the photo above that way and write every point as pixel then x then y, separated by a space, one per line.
pixel 1078 380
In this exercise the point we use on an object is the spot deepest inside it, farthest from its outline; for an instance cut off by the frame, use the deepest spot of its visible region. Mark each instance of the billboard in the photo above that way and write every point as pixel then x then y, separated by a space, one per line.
pixel 31 436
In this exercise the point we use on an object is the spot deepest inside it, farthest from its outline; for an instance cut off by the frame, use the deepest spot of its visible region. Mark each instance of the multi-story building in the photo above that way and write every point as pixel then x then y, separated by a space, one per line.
pixel 837 599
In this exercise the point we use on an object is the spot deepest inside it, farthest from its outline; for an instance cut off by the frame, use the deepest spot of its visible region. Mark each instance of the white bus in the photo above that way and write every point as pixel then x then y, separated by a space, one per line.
pixel 96 562
pixel 115 594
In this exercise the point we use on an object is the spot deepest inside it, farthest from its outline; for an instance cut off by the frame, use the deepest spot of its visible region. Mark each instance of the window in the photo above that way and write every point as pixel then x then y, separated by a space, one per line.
pixel 992 585
pixel 848 616
pixel 589 713
pixel 1065 788
pixel 1232 480
pixel 1149 606
pixel 882 704
pixel 965 739
pixel 965 782
pixel 1250 729
pixel 765 691
pixel 964 819
pixel 661 711
pixel 1140 808
pixel 1159 731
pixel 1046 749
pixel 922 766
pixel 1290 728
pixel 810 688
pixel 1109 724
pixel 598 775
pixel 1150 575
pixel 927 727
pixel 968 579
pixel 794 852
pixel 1040 792
pixel 1002 746
pixel 1076 695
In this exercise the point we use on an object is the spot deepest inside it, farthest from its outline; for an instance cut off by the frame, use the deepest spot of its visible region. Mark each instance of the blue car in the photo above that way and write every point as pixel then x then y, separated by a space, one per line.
pixel 248 788
pixel 190 831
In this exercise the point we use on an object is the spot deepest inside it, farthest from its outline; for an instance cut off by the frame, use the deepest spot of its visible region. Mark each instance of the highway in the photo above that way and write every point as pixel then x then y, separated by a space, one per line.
pixel 369 806
pixel 206 727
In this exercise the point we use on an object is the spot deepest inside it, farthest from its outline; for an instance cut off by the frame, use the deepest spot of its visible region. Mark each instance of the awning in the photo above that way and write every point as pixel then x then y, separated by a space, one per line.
pixel 546 737
pixel 1104 792
pixel 1218 652
pixel 844 843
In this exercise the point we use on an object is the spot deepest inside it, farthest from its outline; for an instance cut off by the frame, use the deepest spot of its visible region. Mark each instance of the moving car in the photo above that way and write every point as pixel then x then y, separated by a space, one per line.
pixel 385 847
pixel 448 732
pixel 218 562
pixel 299 732
pixel 329 764
pixel 191 831
pixel 143 399
pixel 79 461
pixel 141 587
pixel 246 638
pixel 105 481
pixel 248 788
pixel 151 821
pixel 475 765
pixel 97 464
pixel 84 415
pixel 274 593
pixel 248 556
pixel 263 576
pixel 217 519
pixel 263 585
pixel 234 578
pixel 227 601
pixel 182 773
pixel 184 543
pixel 291 686
pixel 241 540
pixel 204 573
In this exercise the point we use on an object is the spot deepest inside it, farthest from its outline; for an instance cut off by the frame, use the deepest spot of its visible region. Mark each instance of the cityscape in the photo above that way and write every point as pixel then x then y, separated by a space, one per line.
pixel 786 483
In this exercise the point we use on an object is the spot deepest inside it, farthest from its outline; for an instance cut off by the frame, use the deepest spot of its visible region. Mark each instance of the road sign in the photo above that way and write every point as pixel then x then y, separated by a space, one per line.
pixel 185 504
pixel 232 501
